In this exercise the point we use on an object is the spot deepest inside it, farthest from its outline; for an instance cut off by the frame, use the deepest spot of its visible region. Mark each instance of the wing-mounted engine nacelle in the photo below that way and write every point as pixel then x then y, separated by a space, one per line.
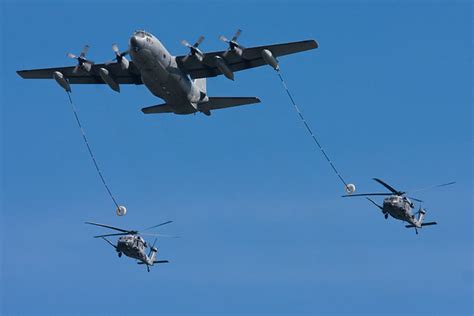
pixel 222 66
pixel 108 79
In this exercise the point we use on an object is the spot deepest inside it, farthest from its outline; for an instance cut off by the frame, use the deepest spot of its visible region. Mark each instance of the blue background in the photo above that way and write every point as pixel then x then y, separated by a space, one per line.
pixel 263 228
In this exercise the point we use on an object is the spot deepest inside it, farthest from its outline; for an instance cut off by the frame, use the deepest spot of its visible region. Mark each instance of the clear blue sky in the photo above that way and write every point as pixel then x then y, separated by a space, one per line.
pixel 263 228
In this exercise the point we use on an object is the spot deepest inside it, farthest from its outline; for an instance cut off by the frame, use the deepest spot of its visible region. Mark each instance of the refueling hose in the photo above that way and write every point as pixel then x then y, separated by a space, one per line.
pixel 91 154
pixel 350 188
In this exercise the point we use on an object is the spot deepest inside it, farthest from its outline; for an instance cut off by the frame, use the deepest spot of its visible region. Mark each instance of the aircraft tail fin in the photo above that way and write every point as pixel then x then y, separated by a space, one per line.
pixel 421 216
pixel 153 253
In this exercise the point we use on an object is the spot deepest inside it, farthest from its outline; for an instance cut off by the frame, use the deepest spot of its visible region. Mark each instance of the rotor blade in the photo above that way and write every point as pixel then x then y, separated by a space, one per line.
pixel 158 235
pixel 375 203
pixel 224 39
pixel 433 186
pixel 76 69
pixel 109 242
pixel 237 34
pixel 111 235
pixel 387 186
pixel 157 225
pixel 367 194
pixel 154 242
pixel 415 199
pixel 107 226
pixel 115 48
pixel 71 55
pixel 185 43
pixel 84 51
pixel 199 41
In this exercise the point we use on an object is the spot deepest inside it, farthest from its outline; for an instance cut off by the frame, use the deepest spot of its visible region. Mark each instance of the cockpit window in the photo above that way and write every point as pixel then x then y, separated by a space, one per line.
pixel 142 33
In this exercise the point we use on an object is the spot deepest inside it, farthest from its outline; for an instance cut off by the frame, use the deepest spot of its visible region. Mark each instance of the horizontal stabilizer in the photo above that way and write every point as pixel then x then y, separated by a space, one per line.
pixel 216 103
pixel 424 224
pixel 161 108
pixel 160 261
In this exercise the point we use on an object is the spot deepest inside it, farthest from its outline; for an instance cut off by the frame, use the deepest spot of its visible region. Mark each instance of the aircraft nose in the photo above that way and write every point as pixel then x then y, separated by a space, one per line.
pixel 134 42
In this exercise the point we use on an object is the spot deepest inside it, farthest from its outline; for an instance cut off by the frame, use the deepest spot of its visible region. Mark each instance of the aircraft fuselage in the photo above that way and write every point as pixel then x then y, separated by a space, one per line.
pixel 161 75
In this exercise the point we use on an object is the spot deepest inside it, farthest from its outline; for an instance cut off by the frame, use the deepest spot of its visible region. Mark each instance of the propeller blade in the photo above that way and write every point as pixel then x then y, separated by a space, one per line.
pixel 199 41
pixel 157 225
pixel 110 227
pixel 84 51
pixel 115 48
pixel 124 63
pixel 368 194
pixel 237 34
pixel 71 55
pixel 388 187
pixel 76 69
pixel 224 39
pixel 185 43
pixel 87 65
pixel 125 53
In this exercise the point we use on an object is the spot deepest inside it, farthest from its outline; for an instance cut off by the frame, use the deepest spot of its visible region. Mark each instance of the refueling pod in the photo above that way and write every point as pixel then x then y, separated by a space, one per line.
pixel 61 80
pixel 269 59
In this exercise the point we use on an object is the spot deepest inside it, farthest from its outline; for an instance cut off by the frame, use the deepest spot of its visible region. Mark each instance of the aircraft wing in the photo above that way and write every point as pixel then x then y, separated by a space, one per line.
pixel 251 57
pixel 127 76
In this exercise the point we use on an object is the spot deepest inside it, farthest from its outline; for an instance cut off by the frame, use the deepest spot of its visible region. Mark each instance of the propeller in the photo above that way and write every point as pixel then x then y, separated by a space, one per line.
pixel 193 49
pixel 233 45
pixel 120 57
pixel 82 62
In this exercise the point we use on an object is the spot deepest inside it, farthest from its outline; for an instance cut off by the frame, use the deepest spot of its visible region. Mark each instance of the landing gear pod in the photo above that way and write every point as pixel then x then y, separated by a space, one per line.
pixel 121 210
pixel 350 188
pixel 61 80
pixel 269 59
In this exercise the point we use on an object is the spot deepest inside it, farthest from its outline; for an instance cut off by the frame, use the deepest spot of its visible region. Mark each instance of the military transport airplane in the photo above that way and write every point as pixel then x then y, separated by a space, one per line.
pixel 179 80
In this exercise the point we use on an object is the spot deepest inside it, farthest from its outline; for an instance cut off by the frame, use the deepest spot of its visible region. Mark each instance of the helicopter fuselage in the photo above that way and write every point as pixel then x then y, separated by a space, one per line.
pixel 133 246
pixel 399 208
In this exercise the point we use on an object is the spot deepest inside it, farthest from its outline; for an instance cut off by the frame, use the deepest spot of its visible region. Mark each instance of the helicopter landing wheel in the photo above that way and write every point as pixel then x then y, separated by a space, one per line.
pixel 386 216
pixel 120 254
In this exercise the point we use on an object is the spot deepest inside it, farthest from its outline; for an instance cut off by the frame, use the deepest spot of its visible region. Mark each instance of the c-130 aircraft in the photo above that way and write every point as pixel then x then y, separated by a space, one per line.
pixel 179 80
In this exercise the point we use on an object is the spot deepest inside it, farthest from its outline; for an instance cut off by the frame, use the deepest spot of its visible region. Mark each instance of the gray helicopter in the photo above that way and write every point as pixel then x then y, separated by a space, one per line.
pixel 399 206
pixel 133 245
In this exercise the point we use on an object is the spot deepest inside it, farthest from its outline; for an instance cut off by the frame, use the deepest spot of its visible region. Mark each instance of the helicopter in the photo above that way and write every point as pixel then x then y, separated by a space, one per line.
pixel 132 244
pixel 399 206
